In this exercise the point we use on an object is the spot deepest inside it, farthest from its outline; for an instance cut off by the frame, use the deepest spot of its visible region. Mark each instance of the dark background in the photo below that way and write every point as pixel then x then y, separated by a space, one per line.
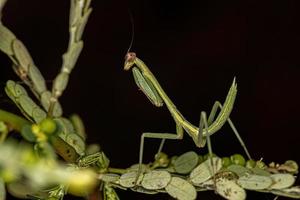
pixel 194 48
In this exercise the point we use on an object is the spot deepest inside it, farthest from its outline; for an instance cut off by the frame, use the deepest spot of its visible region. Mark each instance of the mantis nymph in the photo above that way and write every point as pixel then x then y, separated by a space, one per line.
pixel 147 82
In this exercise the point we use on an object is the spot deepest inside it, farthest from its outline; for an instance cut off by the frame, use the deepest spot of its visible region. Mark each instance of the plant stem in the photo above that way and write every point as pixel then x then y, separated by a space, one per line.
pixel 117 170
pixel 16 122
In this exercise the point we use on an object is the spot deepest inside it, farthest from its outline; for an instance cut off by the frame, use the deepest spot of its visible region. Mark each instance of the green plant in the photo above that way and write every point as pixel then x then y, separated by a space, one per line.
pixel 33 169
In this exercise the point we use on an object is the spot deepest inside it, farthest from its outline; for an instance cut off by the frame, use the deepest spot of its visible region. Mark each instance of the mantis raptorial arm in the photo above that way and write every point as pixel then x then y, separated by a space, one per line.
pixel 79 13
pixel 149 81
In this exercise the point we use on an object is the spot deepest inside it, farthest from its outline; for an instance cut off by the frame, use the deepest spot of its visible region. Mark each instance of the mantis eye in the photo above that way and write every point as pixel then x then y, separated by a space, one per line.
pixel 130 56
pixel 129 60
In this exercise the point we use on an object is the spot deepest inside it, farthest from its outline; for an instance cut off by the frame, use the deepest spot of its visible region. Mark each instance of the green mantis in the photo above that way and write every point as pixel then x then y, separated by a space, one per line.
pixel 147 82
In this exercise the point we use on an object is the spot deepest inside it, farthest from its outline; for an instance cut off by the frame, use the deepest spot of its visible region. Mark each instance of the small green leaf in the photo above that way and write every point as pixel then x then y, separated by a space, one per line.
pixel 293 192
pixel 143 190
pixel 38 114
pixel 92 148
pixel 156 179
pixel 76 142
pixel 45 101
pixel 37 79
pixel 7 38
pixel 135 167
pixel 238 170
pixel 229 189
pixel 78 125
pixel 60 83
pixel 27 133
pixel 82 23
pixel 128 179
pixel 186 162
pixel 181 189
pixel 204 171
pixel 281 181
pixel 254 182
pixel 22 55
pixel 260 171
pixel 70 58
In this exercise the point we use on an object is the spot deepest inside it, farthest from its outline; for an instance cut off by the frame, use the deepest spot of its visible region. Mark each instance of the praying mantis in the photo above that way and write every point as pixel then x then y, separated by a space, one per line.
pixel 147 82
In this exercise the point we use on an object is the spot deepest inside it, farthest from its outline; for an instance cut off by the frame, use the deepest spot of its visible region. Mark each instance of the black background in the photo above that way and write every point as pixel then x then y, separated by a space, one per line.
pixel 194 48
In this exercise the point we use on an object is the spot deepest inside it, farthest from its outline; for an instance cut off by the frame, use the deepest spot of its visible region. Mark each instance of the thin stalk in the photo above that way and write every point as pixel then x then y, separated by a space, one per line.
pixel 14 121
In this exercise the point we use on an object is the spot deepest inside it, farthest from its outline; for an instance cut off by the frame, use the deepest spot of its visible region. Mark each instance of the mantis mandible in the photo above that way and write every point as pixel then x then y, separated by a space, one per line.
pixel 147 82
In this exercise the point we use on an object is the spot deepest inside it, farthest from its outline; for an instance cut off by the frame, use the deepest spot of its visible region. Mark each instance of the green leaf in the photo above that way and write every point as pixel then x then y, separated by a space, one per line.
pixel 22 55
pixel 37 79
pixel 259 171
pixel 293 192
pixel 7 38
pixel 181 189
pixel 239 170
pixel 45 101
pixel 281 181
pixel 78 125
pixel 156 179
pixel 60 84
pixel 81 24
pixel 128 179
pixel 204 171
pixel 70 58
pixel 186 162
pixel 229 189
pixel 254 182
pixel 27 133
pixel 143 190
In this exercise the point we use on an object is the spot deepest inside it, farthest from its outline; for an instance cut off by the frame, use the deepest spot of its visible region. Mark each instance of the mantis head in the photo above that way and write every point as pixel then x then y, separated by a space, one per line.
pixel 129 60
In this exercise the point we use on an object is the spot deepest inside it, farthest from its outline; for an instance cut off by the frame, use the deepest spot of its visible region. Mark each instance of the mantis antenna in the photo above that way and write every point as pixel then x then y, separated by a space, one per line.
pixel 132 31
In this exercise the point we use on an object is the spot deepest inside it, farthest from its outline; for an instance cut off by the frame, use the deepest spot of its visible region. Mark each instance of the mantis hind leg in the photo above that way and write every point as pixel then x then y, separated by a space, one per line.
pixel 162 136
pixel 179 131
pixel 203 126
pixel 217 105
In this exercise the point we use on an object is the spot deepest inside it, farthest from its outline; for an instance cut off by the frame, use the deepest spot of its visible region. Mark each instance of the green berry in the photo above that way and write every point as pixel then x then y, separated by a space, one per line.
pixel 260 164
pixel 250 163
pixel 226 162
pixel 201 159
pixel 238 159
pixel 206 156
pixel 48 126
